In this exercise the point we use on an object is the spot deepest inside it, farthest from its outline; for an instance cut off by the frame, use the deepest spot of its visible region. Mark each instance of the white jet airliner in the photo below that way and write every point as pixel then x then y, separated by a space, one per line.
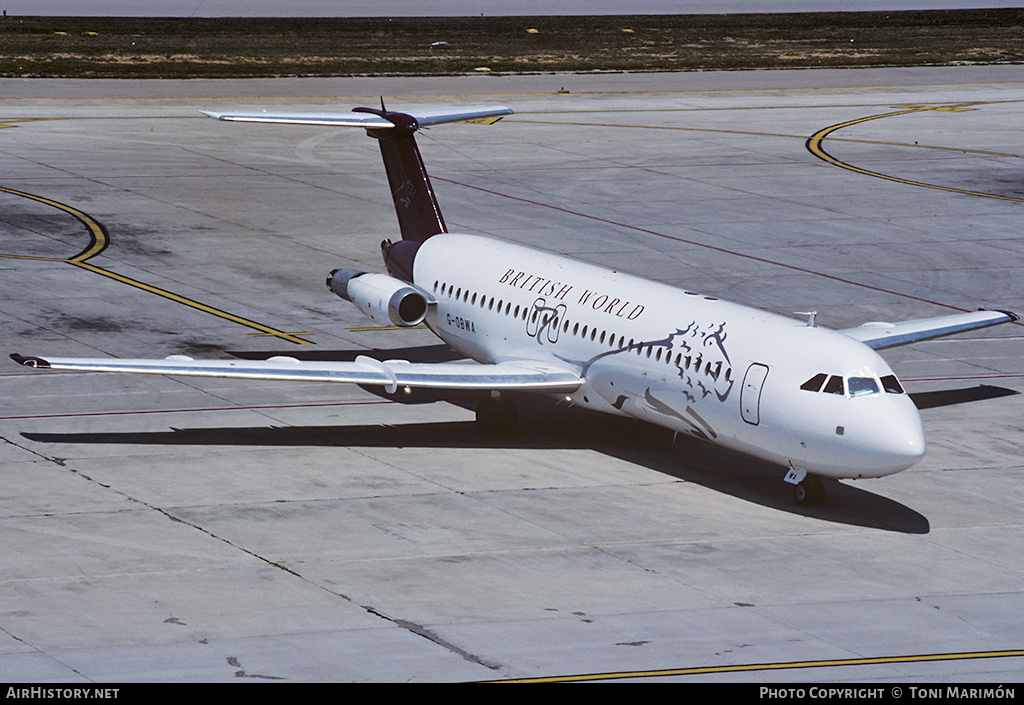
pixel 817 402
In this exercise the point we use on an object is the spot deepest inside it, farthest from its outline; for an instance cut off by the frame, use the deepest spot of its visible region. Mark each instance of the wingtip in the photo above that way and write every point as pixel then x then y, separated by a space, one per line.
pixel 1012 316
pixel 28 361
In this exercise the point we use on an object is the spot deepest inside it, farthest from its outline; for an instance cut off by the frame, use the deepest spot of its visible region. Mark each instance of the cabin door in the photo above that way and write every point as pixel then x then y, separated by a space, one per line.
pixel 750 393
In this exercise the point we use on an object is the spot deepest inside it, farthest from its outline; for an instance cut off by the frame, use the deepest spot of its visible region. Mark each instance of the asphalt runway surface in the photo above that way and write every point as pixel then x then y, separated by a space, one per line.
pixel 160 529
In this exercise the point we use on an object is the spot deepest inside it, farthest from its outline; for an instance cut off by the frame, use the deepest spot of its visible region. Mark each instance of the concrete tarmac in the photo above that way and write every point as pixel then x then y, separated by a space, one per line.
pixel 160 529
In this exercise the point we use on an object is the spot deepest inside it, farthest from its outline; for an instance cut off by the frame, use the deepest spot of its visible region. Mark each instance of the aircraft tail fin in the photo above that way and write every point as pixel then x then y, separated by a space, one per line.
pixel 419 216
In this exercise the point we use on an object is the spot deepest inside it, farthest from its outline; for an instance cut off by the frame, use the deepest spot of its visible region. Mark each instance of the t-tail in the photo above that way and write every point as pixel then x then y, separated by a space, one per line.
pixel 419 216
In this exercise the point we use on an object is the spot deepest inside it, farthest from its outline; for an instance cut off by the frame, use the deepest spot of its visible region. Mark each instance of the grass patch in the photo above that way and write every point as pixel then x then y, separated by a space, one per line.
pixel 110 47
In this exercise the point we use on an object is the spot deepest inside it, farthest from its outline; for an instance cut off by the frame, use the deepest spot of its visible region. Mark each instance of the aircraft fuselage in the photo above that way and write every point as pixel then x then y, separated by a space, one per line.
pixel 692 363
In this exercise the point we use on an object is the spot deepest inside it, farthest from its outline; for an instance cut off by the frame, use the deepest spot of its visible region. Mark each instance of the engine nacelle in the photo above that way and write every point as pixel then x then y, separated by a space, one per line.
pixel 384 299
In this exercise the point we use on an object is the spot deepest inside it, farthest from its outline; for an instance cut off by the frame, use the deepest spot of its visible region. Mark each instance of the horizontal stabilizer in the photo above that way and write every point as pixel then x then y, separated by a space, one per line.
pixel 334 119
pixel 505 376
pixel 424 117
pixel 472 113
pixel 419 216
pixel 879 335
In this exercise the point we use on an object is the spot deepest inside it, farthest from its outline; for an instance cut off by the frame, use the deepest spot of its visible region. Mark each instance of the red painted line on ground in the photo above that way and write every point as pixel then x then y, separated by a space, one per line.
pixel 959 379
pixel 975 339
pixel 193 411
pixel 503 170
pixel 704 245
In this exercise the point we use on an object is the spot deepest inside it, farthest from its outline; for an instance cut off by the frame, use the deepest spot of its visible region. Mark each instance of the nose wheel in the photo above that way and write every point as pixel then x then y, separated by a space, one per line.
pixel 809 492
pixel 807 489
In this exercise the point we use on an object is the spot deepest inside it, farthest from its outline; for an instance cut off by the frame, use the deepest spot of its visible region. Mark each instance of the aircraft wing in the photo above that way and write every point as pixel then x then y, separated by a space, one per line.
pixel 424 117
pixel 504 376
pixel 879 335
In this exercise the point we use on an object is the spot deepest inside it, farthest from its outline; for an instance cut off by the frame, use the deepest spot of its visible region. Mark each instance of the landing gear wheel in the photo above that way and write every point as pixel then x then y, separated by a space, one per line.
pixel 496 416
pixel 810 492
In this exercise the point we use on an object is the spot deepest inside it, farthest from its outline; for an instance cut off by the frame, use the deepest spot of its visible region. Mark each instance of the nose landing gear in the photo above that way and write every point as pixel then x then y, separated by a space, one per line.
pixel 808 490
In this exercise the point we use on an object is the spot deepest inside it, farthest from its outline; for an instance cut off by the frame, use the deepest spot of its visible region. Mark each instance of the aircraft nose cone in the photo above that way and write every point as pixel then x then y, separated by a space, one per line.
pixel 900 439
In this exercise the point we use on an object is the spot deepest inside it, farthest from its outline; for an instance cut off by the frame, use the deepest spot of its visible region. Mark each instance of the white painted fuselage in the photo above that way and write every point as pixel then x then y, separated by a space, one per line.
pixel 695 364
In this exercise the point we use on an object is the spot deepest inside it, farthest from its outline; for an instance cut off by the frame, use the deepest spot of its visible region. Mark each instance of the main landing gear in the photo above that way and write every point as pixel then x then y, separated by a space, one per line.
pixel 808 490
pixel 496 416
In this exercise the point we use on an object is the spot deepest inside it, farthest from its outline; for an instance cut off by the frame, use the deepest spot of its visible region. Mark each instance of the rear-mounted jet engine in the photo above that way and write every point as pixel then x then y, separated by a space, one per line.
pixel 384 299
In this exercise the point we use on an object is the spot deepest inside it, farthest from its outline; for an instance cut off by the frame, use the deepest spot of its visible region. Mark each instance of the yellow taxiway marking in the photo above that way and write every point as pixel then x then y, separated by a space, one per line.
pixel 814 146
pixel 98 241
pixel 278 334
pixel 833 663
pixel 814 143
pixel 97 235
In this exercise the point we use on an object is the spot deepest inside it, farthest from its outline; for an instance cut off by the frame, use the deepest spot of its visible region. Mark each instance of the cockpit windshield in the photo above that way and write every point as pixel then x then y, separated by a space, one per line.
pixel 852 386
pixel 892 385
pixel 862 385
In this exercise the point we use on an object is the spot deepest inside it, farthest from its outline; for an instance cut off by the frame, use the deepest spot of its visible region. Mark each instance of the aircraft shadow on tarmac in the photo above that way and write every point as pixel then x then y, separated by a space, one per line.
pixel 949 397
pixel 543 426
